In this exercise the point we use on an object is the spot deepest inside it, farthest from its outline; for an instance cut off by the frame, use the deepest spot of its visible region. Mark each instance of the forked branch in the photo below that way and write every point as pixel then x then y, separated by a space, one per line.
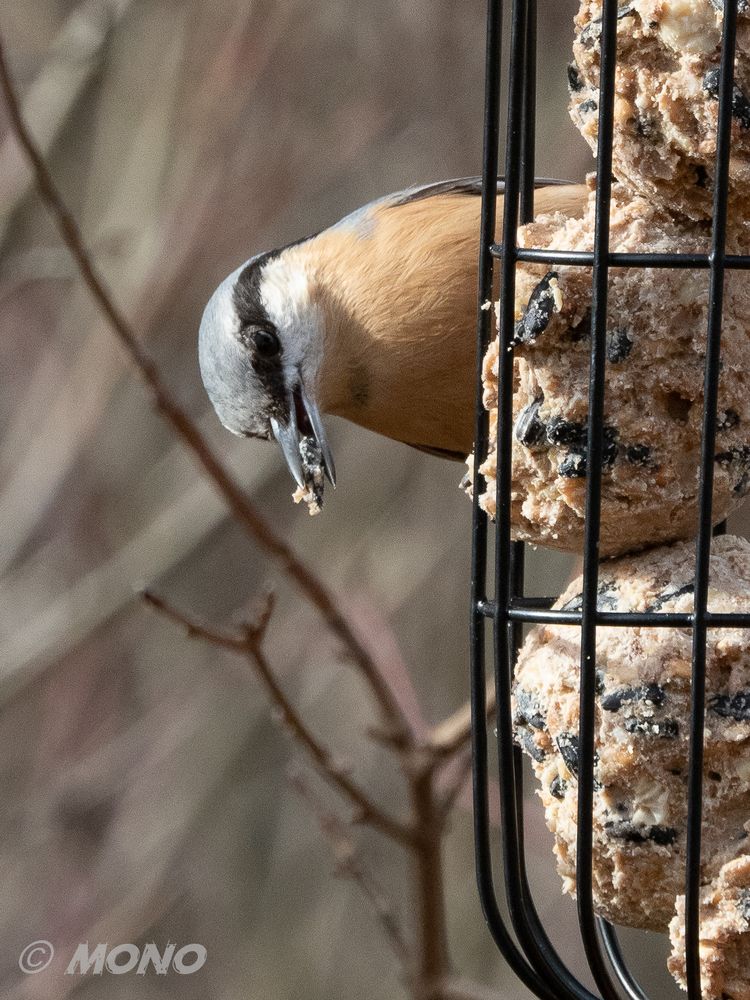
pixel 249 644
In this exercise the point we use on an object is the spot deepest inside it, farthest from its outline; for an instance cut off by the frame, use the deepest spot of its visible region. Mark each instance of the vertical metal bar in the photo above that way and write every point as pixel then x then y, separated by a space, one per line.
pixel 507 758
pixel 587 705
pixel 539 948
pixel 531 935
pixel 528 119
pixel 482 846
pixel 482 852
pixel 703 544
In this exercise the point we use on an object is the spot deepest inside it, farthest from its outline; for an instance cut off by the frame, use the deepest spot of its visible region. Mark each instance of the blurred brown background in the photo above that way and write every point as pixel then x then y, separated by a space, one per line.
pixel 143 792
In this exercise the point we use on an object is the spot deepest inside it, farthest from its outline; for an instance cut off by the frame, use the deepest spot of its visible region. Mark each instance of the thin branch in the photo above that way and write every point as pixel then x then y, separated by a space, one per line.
pixel 312 587
pixel 451 735
pixel 349 865
pixel 432 964
pixel 249 645
pixel 455 785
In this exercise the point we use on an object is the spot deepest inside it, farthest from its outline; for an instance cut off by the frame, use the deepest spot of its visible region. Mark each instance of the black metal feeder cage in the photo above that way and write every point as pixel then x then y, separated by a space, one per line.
pixel 498 601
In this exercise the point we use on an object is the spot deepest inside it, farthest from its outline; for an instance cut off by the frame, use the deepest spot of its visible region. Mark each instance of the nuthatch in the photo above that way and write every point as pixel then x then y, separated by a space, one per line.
pixel 372 319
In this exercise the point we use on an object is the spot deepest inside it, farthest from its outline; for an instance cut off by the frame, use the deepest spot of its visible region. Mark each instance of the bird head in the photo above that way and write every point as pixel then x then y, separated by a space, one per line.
pixel 260 350
pixel 372 320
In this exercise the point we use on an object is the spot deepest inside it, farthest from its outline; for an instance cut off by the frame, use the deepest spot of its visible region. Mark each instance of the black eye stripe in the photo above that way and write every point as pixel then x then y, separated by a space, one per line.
pixel 266 343
pixel 262 341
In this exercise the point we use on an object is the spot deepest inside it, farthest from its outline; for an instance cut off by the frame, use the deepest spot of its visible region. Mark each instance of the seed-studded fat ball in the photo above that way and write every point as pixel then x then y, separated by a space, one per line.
pixel 655 345
pixel 725 934
pixel 642 732
pixel 666 103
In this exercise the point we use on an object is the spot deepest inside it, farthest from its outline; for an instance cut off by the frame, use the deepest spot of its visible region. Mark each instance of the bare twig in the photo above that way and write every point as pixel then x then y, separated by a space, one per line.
pixel 349 864
pixel 310 585
pixel 423 835
pixel 451 735
pixel 432 961
pixel 455 784
pixel 249 644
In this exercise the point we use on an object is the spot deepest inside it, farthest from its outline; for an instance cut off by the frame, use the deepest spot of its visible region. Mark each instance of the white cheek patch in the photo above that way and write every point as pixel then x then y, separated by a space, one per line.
pixel 285 292
pixel 223 311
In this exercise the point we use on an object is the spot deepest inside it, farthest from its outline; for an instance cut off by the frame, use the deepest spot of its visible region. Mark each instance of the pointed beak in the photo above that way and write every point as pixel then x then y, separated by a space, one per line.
pixel 288 438
pixel 319 433
pixel 304 421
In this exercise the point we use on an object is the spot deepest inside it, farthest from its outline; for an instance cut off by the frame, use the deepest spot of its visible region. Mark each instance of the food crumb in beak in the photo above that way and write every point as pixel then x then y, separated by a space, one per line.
pixel 312 469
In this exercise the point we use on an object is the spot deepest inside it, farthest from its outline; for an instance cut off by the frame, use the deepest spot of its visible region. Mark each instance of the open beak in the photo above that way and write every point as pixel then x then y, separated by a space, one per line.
pixel 304 421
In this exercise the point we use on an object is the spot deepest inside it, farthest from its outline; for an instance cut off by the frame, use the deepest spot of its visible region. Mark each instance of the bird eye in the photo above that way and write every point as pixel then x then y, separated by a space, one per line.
pixel 266 343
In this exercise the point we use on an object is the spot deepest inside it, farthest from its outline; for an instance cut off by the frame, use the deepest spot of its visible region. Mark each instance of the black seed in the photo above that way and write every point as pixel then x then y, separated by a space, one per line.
pixel 726 457
pixel 619 346
pixel 625 830
pixel 654 694
pixel 538 312
pixel 599 685
pixel 586 107
pixel 574 78
pixel 566 432
pixel 572 467
pixel 727 419
pixel 527 742
pixel 711 82
pixel 569 432
pixel 638 454
pixel 529 429
pixel 574 604
pixel 731 706
pixel 593 29
pixel 663 835
pixel 528 711
pixel 667 729
pixel 606 600
pixel 740 104
pixel 557 787
pixel 567 744
pixel 670 594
